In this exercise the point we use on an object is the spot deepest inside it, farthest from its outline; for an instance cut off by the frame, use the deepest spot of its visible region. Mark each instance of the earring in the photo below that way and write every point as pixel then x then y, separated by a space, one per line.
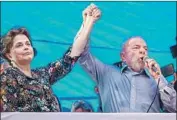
pixel 11 63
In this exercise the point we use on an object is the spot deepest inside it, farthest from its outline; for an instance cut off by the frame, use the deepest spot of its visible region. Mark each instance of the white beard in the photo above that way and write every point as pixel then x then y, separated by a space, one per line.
pixel 136 65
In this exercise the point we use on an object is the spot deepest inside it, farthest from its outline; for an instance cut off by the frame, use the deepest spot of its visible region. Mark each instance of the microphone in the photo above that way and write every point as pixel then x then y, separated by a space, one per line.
pixel 152 67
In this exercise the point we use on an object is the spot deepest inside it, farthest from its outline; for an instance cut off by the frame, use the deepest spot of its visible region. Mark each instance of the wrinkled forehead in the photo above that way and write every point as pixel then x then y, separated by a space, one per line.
pixel 136 41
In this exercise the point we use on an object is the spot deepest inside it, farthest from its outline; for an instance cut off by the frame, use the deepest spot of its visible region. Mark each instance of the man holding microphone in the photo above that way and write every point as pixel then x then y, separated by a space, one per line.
pixel 138 86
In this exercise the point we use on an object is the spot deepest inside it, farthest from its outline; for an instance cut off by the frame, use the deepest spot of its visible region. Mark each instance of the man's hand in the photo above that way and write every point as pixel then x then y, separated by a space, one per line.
pixel 96 14
pixel 149 64
pixel 88 11
pixel 91 13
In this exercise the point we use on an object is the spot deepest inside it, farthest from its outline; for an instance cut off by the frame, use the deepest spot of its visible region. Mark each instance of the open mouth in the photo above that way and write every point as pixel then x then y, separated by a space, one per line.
pixel 141 58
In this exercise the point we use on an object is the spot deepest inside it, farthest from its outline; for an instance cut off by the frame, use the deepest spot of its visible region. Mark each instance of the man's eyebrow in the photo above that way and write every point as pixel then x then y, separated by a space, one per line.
pixel 139 45
pixel 136 45
pixel 146 47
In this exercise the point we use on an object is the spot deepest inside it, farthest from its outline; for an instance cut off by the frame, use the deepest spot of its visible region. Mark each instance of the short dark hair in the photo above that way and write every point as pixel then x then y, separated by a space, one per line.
pixel 7 40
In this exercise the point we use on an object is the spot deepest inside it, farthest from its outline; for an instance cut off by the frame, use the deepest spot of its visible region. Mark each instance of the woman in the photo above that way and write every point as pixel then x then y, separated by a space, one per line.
pixel 23 89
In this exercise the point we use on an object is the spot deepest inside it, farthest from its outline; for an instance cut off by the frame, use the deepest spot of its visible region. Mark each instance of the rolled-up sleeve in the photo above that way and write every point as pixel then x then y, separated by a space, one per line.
pixel 167 95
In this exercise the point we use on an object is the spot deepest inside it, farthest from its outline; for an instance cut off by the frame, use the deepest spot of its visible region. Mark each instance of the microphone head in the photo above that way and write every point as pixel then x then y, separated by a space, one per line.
pixel 145 58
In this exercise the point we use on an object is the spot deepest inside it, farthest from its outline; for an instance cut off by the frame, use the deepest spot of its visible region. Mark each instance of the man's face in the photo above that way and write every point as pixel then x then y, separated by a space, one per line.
pixel 133 53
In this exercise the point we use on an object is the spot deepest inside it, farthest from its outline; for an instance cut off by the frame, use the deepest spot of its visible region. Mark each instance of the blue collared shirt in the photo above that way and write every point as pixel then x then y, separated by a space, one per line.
pixel 123 90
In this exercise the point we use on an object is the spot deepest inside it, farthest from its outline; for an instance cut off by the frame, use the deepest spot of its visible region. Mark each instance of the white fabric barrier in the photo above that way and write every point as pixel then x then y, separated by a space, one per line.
pixel 86 116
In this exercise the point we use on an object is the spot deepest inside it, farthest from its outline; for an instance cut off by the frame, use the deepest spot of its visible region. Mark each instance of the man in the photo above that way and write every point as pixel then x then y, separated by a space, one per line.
pixel 81 106
pixel 3 65
pixel 137 87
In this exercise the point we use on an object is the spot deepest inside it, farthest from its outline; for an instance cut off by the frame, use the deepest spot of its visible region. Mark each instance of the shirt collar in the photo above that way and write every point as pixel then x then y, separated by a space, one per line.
pixel 125 67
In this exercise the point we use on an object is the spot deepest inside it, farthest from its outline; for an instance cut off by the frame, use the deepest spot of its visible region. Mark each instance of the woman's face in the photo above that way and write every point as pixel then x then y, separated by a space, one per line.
pixel 21 52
